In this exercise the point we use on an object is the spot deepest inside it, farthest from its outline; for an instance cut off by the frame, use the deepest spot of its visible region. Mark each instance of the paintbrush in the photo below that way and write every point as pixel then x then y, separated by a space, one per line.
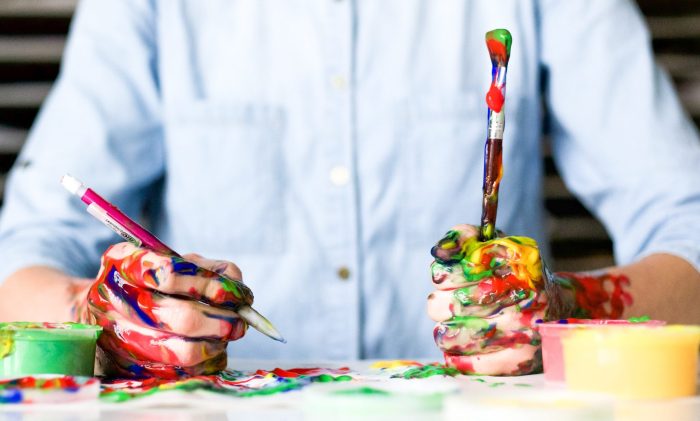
pixel 498 43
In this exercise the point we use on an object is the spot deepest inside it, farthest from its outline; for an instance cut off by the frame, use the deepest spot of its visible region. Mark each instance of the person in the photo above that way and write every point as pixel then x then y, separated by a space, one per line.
pixel 323 147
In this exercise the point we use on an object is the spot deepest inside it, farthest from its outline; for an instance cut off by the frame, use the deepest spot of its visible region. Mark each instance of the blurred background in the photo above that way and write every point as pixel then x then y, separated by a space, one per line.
pixel 32 36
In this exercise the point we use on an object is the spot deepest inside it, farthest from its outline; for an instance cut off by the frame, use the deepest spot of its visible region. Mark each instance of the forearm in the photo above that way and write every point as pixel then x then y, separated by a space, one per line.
pixel 660 286
pixel 41 294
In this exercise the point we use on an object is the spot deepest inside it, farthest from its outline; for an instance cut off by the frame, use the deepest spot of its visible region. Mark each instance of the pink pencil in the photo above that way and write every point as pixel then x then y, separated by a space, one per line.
pixel 131 231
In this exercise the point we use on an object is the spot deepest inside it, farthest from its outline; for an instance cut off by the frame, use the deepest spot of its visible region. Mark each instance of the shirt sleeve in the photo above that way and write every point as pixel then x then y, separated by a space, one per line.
pixel 621 139
pixel 101 123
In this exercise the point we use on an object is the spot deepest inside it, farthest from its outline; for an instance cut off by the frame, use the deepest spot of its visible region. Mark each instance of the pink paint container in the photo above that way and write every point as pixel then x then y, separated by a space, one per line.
pixel 552 332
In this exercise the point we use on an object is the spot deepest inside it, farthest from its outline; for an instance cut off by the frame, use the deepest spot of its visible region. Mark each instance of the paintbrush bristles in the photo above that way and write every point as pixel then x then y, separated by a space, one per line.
pixel 498 42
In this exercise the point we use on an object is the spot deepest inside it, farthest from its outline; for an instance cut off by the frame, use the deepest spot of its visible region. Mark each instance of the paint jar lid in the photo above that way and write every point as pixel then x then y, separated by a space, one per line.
pixel 555 326
pixel 638 335
pixel 40 331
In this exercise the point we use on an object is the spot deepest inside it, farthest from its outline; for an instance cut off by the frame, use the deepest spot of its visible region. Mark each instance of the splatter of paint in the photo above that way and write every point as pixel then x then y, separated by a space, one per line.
pixel 428 370
pixel 229 383
pixel 365 390
pixel 596 296
pixel 48 389
pixel 391 364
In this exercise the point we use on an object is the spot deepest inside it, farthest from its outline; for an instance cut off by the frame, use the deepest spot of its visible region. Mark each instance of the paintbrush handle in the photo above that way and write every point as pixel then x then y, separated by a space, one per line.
pixel 493 172
pixel 498 43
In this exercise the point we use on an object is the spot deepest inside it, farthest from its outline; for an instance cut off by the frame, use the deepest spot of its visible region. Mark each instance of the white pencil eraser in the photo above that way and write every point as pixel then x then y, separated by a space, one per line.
pixel 71 184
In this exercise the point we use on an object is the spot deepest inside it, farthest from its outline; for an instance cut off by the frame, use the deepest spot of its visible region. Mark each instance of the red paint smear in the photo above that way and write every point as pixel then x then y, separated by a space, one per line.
pixel 55 383
pixel 27 382
pixel 497 50
pixel 592 297
pixel 495 98
pixel 297 372
pixel 516 338
pixel 460 362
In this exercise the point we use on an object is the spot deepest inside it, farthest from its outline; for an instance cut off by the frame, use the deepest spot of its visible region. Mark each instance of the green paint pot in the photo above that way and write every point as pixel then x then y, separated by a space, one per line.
pixel 47 348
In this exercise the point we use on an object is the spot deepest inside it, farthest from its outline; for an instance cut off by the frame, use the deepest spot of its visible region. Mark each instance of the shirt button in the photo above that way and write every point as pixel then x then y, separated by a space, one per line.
pixel 343 273
pixel 339 175
pixel 339 82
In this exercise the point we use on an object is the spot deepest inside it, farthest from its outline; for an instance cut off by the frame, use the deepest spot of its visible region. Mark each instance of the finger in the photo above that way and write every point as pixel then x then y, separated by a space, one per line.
pixel 514 258
pixel 508 362
pixel 517 256
pixel 477 336
pixel 139 344
pixel 125 366
pixel 448 276
pixel 512 326
pixel 222 267
pixel 483 299
pixel 172 275
pixel 197 320
pixel 173 315
pixel 451 248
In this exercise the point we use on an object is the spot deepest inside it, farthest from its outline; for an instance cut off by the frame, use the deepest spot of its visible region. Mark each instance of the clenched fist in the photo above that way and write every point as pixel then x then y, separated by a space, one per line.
pixel 489 295
pixel 165 316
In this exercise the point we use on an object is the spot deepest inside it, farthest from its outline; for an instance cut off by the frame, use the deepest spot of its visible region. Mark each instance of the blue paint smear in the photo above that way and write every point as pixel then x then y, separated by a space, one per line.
pixel 125 292
pixel 152 273
pixel 11 396
pixel 137 370
pixel 184 267
pixel 230 319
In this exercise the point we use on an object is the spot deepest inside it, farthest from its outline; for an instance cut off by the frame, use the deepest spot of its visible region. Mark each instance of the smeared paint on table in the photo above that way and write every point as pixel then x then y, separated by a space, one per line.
pixel 48 389
pixel 229 384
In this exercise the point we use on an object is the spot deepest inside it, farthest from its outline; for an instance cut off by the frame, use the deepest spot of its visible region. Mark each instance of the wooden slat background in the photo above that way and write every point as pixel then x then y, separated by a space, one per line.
pixel 32 36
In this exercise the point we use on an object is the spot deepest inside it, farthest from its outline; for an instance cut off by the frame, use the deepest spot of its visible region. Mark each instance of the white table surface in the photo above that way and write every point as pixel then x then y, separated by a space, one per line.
pixel 180 406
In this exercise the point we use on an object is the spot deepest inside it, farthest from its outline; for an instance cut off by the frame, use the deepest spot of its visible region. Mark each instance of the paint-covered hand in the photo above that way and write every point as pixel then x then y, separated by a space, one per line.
pixel 165 316
pixel 489 294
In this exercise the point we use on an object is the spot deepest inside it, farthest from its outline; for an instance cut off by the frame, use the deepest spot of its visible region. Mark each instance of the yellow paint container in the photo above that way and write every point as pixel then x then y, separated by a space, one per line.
pixel 637 362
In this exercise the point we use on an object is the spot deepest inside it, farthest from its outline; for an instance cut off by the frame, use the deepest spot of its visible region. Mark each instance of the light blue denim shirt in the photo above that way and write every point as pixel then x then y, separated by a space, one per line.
pixel 297 138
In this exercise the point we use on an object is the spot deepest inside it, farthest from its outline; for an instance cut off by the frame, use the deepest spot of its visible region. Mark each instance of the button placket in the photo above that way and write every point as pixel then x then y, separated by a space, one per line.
pixel 341 290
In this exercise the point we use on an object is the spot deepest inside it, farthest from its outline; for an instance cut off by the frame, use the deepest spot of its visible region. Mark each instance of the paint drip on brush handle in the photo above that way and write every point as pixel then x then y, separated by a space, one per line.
pixel 498 43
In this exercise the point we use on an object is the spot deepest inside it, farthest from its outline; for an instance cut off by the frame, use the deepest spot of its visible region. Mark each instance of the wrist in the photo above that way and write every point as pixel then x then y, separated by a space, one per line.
pixel 78 296
pixel 590 295
pixel 40 294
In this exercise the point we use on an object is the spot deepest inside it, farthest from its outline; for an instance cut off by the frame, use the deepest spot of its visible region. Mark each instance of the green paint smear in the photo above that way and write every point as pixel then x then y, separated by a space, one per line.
pixel 231 287
pixel 501 35
pixel 327 378
pixel 476 276
pixel 497 384
pixel 463 295
pixel 426 371
pixel 284 385
pixel 364 391
pixel 522 385
pixel 125 395
pixel 640 319
pixel 468 322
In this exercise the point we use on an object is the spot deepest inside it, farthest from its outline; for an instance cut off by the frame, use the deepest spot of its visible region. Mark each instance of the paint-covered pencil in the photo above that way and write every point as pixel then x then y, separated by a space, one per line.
pixel 498 43
pixel 131 231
